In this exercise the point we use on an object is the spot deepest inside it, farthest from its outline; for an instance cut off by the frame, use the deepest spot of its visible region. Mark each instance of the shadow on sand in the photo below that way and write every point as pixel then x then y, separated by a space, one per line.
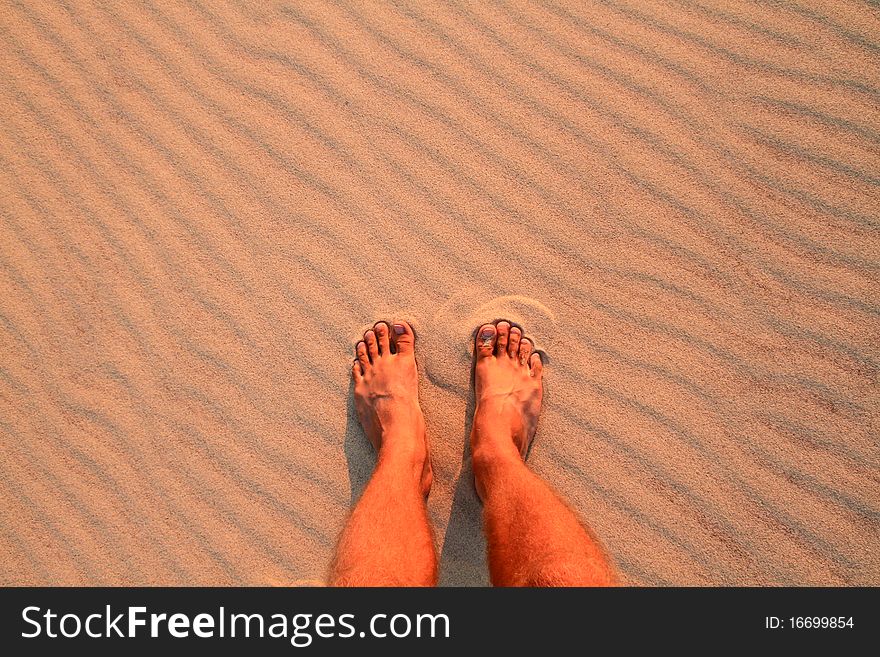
pixel 359 453
pixel 463 559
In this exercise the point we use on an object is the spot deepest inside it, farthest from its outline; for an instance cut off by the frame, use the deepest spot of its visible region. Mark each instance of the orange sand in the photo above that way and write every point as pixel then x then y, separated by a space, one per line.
pixel 203 205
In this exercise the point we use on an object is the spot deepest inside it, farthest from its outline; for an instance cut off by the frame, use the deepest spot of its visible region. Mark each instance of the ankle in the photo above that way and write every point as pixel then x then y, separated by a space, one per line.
pixel 492 465
pixel 496 430
pixel 498 415
pixel 403 453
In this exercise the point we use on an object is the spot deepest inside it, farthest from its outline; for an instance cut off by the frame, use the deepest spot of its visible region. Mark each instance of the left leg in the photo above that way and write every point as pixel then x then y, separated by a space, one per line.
pixel 533 537
pixel 387 540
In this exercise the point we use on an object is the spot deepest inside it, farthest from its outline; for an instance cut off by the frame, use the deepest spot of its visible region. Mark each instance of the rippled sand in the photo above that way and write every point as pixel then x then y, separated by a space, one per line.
pixel 203 205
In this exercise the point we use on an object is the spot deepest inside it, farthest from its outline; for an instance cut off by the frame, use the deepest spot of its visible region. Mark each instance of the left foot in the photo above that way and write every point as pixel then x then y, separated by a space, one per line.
pixel 508 387
pixel 508 383
pixel 386 396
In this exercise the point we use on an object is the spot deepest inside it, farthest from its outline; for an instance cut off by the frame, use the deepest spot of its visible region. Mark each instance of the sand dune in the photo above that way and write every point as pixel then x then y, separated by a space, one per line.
pixel 204 204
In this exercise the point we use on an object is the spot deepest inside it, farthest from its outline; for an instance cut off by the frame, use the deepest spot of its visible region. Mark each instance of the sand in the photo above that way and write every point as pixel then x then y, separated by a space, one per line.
pixel 203 205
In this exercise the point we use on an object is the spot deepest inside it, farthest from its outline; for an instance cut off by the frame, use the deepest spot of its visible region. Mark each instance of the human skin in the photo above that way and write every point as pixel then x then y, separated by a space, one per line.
pixel 388 540
pixel 533 537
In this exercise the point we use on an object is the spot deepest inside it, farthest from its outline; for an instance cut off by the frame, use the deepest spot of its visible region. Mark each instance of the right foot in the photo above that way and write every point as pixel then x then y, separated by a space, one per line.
pixel 386 397
pixel 508 389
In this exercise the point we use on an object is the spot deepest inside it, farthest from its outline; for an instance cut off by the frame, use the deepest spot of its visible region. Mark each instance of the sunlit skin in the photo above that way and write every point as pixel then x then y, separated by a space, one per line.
pixel 533 537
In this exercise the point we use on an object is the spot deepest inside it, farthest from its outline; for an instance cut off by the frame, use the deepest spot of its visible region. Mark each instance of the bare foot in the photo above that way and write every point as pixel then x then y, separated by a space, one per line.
pixel 386 396
pixel 508 386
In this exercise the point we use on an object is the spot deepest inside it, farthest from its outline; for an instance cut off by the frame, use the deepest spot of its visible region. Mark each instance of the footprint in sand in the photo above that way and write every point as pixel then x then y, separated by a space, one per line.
pixel 447 339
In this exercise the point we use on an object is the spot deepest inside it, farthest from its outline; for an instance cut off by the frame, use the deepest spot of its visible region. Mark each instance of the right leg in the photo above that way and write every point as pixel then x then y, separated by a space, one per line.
pixel 534 538
pixel 387 541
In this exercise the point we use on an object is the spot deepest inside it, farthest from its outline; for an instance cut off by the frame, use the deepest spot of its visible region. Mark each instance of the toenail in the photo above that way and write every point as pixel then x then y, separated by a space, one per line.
pixel 399 329
pixel 487 333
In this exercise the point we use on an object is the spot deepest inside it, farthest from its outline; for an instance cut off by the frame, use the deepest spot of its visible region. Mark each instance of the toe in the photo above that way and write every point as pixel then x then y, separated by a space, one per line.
pixel 485 341
pixel 403 336
pixel 536 365
pixel 503 333
pixel 372 345
pixel 382 332
pixel 513 342
pixel 363 358
pixel 356 372
pixel 525 350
